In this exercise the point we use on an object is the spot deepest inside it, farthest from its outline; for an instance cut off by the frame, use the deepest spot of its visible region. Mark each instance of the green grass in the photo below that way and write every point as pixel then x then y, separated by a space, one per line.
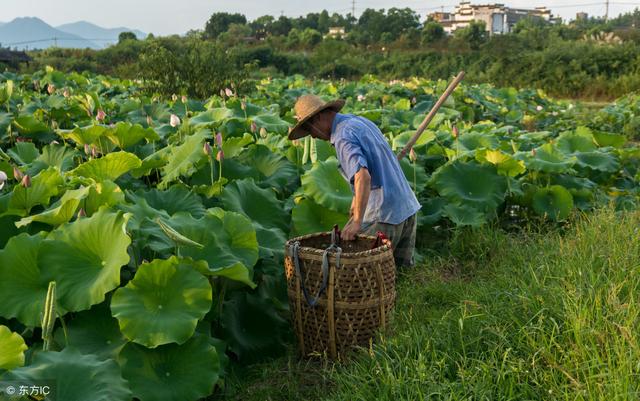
pixel 494 316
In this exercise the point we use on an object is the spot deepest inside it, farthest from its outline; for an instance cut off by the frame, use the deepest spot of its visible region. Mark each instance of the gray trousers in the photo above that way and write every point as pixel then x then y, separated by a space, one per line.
pixel 402 236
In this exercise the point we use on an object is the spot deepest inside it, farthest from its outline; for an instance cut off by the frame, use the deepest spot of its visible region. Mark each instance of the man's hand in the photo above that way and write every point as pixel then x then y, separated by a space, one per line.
pixel 350 230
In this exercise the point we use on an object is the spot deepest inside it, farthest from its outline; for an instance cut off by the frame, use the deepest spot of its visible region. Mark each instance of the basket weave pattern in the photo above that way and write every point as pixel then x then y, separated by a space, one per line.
pixel 357 302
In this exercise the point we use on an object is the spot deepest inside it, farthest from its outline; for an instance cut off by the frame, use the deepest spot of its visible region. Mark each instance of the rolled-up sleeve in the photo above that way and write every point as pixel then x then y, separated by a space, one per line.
pixel 350 156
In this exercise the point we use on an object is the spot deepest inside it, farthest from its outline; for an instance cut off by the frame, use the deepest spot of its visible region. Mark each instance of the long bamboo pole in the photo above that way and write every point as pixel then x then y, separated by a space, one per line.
pixel 430 116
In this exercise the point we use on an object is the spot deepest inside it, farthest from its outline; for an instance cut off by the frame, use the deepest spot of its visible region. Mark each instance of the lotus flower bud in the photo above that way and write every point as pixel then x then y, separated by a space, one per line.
pixel 228 92
pixel 26 181
pixel 412 155
pixel 82 213
pixel 455 132
pixel 207 149
pixel 222 93
pixel 21 139
pixel 254 127
pixel 54 142
pixel 184 99
pixel 220 156
pixel 87 149
pixel 361 98
pixel 36 85
pixel 66 92
pixel 149 120
pixel 413 100
pixel 219 140
pixel 3 178
pixel 101 115
pixel 17 174
pixel 533 152
pixel 51 88
pixel 243 105
pixel 174 121
pixel 174 97
pixel 263 132
pixel 94 152
pixel 539 108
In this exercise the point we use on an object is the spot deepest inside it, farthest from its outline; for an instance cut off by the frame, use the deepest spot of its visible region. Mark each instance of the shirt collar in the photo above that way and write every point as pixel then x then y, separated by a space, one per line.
pixel 337 120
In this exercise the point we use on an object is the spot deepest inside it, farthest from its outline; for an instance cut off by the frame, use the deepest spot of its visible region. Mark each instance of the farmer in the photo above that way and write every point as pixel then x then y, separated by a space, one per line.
pixel 383 200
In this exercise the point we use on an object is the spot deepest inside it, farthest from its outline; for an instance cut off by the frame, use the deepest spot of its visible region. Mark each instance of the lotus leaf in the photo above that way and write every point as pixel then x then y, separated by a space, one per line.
pixel 12 349
pixel 554 202
pixel 327 187
pixel 61 212
pixel 183 158
pixel 109 167
pixel 43 186
pixel 309 217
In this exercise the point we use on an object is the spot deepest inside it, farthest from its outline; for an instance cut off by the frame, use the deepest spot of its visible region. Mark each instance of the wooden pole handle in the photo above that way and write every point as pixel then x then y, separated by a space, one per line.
pixel 452 86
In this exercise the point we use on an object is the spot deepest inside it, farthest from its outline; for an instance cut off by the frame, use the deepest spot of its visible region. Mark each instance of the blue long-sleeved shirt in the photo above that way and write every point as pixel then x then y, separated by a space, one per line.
pixel 360 143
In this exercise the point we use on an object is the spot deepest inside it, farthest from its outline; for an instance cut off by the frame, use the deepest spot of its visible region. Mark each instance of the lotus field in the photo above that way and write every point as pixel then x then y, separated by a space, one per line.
pixel 142 238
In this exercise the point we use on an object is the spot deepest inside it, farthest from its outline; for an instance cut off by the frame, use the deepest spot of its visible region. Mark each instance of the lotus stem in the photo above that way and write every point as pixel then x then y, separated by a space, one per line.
pixel 211 167
pixel 49 316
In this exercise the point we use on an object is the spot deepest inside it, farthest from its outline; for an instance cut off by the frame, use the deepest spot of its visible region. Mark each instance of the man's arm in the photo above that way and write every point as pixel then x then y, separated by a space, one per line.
pixel 362 189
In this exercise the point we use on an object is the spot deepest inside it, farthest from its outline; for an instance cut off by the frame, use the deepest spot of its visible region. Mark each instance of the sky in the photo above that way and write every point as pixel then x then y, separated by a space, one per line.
pixel 163 17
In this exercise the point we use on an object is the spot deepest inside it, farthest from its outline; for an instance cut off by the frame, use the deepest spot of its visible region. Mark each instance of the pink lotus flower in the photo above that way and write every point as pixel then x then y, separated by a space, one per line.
pixel 228 92
pixel 455 132
pixel 412 155
pixel 184 99
pixel 3 178
pixel 207 149
pixel 174 121
pixel 361 98
pixel 66 92
pixel 82 213
pixel 51 88
pixel 101 115
pixel 149 120
pixel 174 97
pixel 94 152
pixel 26 181
pixel 219 140
pixel 87 149
pixel 17 174
pixel 254 127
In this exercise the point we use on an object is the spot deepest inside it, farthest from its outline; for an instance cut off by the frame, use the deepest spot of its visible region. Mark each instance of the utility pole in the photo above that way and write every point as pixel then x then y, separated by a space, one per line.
pixel 353 8
pixel 606 13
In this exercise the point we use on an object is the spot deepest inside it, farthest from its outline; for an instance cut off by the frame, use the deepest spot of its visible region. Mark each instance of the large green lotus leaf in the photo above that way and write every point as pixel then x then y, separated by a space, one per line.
pixel 472 184
pixel 184 158
pixel 85 135
pixel 505 164
pixel 464 215
pixel 109 167
pixel 7 227
pixel 547 159
pixel 415 174
pixel 309 217
pixel 477 140
pixel 272 169
pixel 432 211
pixel 12 349
pixel 43 186
pixel 513 116
pixel 173 200
pixel 327 187
pixel 29 125
pixel 61 212
pixel 75 377
pixel 52 155
pixel 233 146
pixel 125 134
pixel 171 372
pixel 259 205
pixel 211 117
pixel 85 257
pixel 23 153
pixel 401 140
pixel 162 304
pixel 228 238
pixel 608 139
pixel 93 331
pixel 105 193
pixel 554 202
pixel 579 141
pixel 272 123
pixel 155 160
pixel 23 284
pixel 254 329
pixel 265 211
pixel 598 160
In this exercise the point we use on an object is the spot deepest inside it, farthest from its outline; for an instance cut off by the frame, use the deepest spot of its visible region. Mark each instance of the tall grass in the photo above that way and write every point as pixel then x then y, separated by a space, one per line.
pixel 499 316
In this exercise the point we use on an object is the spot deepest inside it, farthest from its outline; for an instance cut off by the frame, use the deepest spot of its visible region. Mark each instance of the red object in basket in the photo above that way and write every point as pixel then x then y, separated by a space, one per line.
pixel 379 238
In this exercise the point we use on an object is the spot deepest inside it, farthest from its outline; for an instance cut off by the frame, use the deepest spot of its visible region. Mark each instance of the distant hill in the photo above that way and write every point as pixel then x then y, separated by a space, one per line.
pixel 34 33
pixel 103 36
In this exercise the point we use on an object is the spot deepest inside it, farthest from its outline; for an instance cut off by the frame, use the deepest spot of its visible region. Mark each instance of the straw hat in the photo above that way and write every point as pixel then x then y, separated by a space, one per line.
pixel 308 106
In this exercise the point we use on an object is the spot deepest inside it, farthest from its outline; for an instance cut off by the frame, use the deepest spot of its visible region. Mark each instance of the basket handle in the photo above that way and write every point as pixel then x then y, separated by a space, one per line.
pixel 325 270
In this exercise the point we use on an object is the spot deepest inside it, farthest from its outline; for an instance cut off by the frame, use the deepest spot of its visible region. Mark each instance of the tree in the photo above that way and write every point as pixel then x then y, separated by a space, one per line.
pixel 432 32
pixel 219 23
pixel 475 34
pixel 126 36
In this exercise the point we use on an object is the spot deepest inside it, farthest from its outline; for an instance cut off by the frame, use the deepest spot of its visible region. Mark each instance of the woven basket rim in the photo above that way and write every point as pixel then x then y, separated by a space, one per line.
pixel 375 251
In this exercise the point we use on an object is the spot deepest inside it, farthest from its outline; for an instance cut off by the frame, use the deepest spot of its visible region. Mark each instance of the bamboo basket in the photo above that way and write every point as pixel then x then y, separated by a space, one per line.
pixel 358 299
